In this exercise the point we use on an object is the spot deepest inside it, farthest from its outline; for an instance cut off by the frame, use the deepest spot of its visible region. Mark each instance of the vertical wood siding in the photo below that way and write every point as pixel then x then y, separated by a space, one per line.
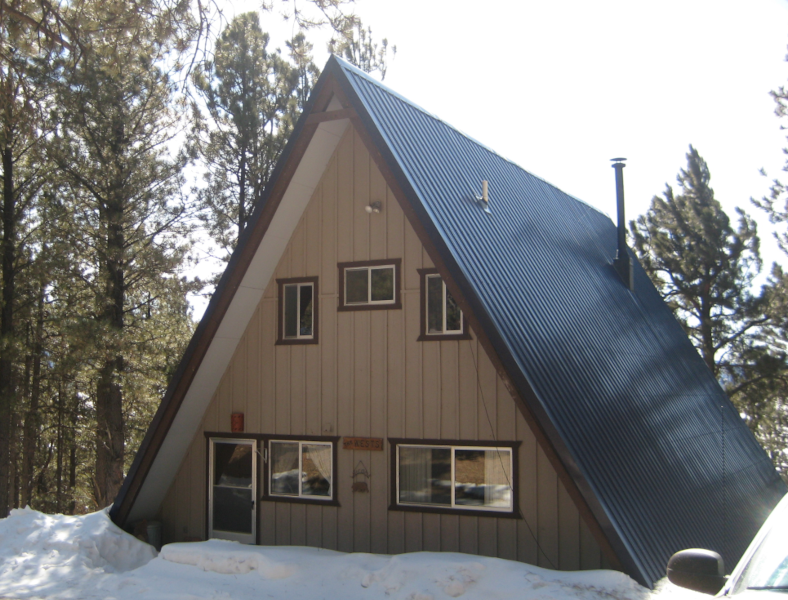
pixel 369 376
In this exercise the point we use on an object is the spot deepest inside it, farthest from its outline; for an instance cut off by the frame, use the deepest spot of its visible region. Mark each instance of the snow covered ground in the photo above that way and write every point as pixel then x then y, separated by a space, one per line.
pixel 88 557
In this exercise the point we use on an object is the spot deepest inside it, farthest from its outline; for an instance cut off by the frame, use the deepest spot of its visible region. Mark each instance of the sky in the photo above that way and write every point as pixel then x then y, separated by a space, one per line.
pixel 560 87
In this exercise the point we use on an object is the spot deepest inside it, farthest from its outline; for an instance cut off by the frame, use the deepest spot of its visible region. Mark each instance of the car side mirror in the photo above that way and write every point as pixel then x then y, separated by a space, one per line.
pixel 699 570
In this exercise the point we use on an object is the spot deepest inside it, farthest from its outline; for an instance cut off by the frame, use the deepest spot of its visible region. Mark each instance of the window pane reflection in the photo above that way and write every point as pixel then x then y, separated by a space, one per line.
pixel 434 304
pixel 382 284
pixel 291 311
pixel 284 468
pixel 453 314
pixel 356 286
pixel 425 475
pixel 232 465
pixel 482 478
pixel 316 470
pixel 306 310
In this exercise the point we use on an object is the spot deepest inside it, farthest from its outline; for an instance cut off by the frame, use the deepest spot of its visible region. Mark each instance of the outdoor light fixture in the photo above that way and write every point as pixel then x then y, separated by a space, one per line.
pixel 374 207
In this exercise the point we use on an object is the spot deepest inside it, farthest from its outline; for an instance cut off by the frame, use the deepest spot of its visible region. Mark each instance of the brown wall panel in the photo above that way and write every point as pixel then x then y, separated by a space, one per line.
pixel 369 376
pixel 547 511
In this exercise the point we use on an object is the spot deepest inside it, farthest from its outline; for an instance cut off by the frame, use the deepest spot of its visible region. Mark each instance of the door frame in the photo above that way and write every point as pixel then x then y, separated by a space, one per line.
pixel 244 538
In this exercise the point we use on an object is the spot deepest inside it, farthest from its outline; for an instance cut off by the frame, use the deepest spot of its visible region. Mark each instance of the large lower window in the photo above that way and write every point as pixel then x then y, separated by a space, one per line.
pixel 298 310
pixel 454 477
pixel 300 469
pixel 441 317
pixel 369 285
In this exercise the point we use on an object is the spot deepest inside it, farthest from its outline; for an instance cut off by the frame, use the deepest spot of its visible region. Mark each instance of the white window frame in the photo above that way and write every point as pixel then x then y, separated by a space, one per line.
pixel 453 505
pixel 444 331
pixel 300 495
pixel 369 269
pixel 298 335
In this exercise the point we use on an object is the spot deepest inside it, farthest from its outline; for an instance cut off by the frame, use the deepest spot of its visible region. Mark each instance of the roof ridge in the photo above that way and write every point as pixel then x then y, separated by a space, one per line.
pixel 354 70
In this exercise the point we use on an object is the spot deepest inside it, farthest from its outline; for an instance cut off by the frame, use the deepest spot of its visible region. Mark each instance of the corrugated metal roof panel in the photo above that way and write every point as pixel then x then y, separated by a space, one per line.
pixel 649 428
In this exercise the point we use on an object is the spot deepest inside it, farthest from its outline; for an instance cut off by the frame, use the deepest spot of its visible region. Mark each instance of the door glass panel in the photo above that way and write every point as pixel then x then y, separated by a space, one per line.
pixel 232 465
pixel 232 490
pixel 232 509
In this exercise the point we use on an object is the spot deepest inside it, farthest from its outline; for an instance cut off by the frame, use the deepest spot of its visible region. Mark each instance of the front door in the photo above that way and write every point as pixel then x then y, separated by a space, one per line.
pixel 232 488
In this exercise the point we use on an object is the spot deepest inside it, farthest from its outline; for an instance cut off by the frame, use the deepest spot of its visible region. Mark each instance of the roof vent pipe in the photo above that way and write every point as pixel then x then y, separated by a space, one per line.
pixel 622 263
pixel 484 199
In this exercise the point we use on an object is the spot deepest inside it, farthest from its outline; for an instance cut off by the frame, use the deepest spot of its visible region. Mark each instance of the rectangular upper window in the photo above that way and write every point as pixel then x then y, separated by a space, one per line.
pixel 298 310
pixel 441 317
pixel 301 469
pixel 369 285
pixel 455 478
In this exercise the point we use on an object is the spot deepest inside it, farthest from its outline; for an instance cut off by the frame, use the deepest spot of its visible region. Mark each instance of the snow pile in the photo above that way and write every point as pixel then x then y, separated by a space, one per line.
pixel 87 557
pixel 40 553
pixel 226 558
pixel 306 573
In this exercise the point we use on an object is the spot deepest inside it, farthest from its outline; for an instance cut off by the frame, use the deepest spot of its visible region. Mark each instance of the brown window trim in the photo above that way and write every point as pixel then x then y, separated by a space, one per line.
pixel 268 497
pixel 263 439
pixel 436 337
pixel 280 326
pixel 396 305
pixel 515 446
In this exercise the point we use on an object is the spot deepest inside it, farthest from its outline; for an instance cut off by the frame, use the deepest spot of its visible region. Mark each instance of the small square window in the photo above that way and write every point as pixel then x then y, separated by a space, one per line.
pixel 369 285
pixel 441 317
pixel 298 311
pixel 301 469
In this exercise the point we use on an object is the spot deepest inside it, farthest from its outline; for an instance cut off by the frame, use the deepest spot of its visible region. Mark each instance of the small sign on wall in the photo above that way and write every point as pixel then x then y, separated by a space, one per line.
pixel 237 422
pixel 362 443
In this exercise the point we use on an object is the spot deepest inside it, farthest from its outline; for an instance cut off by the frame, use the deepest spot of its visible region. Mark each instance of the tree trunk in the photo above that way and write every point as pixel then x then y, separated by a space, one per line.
pixel 707 338
pixel 109 393
pixel 16 428
pixel 72 475
pixel 32 418
pixel 59 467
pixel 242 196
pixel 6 329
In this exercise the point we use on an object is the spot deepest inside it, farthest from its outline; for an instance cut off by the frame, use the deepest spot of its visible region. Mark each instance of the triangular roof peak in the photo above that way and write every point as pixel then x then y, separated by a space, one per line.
pixel 615 393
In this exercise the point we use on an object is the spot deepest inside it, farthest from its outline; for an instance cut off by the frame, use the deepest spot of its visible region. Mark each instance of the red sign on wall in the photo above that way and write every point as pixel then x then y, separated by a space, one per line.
pixel 359 443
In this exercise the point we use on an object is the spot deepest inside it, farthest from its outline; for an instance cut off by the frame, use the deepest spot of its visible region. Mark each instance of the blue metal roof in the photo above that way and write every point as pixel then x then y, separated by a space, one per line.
pixel 652 440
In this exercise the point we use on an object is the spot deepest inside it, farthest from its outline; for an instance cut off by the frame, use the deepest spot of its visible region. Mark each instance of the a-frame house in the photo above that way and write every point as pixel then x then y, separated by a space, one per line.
pixel 419 369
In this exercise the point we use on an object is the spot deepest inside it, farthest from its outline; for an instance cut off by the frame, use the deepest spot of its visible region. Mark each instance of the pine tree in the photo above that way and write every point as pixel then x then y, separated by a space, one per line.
pixel 356 45
pixel 307 72
pixel 253 97
pixel 23 172
pixel 247 91
pixel 704 266
pixel 770 398
pixel 123 217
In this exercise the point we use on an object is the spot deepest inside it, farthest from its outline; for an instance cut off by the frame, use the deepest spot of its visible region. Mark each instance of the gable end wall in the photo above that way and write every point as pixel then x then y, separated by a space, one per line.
pixel 370 377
